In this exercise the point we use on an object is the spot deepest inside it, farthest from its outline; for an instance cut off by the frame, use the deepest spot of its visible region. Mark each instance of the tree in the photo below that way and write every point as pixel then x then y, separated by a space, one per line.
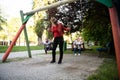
pixel 89 17
pixel 97 23
pixel 71 14
pixel 85 16
pixel 40 19
pixel 2 20
pixel 39 28
pixel 50 8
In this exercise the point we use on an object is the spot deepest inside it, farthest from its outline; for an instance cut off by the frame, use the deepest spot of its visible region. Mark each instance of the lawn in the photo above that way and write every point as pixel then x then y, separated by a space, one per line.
pixel 107 71
pixel 20 48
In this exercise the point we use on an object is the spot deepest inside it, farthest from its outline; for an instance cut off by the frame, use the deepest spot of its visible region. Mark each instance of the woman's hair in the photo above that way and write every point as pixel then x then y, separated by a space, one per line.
pixel 54 20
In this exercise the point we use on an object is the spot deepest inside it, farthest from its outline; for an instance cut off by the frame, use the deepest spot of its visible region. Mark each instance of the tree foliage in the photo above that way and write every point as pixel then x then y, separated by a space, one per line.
pixel 96 25
pixel 89 17
pixel 40 18
pixel 2 20
pixel 69 14
pixel 39 28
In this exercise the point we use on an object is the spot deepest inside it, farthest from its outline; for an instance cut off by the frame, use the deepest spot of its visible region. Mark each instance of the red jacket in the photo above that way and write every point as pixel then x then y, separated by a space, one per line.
pixel 58 30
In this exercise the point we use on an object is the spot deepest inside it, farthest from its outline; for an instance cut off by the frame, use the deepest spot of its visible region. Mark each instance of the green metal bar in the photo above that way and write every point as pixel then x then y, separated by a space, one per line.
pixel 107 3
pixel 26 36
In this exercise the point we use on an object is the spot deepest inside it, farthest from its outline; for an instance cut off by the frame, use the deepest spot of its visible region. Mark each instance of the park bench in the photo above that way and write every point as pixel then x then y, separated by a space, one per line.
pixel 104 49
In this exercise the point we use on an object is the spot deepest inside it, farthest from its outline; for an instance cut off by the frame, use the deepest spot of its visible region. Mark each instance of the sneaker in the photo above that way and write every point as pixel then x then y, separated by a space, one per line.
pixel 75 54
pixel 52 62
pixel 79 54
pixel 59 62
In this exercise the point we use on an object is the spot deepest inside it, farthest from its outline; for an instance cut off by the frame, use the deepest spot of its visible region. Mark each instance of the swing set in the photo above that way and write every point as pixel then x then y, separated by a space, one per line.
pixel 113 12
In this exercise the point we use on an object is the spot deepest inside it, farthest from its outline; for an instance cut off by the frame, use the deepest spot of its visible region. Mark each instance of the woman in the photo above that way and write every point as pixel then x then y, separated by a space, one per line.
pixel 58 31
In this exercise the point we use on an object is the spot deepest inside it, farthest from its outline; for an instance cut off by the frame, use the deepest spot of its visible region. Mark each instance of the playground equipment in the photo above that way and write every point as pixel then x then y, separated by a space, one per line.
pixel 114 11
pixel 24 21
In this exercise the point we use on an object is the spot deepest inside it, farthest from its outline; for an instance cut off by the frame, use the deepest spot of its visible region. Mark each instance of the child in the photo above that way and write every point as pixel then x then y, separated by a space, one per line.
pixel 77 46
pixel 47 45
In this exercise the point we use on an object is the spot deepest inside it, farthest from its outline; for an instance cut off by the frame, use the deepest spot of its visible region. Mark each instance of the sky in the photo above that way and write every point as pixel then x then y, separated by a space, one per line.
pixel 11 8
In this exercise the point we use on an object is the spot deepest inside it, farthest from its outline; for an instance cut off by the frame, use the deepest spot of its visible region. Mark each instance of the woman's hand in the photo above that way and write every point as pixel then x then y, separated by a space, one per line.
pixel 52 19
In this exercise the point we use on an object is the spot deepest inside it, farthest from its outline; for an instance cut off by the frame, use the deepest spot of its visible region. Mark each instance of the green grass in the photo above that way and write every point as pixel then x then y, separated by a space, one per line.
pixel 68 52
pixel 20 48
pixel 107 71
pixel 92 49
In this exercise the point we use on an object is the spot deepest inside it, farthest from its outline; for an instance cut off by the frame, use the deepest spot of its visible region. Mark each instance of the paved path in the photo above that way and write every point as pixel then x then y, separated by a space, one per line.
pixel 24 53
pixel 21 54
pixel 39 68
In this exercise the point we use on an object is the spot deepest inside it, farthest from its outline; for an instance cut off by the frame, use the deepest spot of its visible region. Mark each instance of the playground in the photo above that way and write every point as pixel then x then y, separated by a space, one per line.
pixel 39 68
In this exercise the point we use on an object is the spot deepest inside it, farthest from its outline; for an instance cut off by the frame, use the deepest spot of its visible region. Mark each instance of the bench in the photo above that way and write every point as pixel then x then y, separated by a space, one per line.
pixel 104 49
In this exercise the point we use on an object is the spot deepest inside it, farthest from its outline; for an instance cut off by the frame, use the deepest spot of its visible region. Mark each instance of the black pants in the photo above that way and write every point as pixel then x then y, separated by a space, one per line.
pixel 57 41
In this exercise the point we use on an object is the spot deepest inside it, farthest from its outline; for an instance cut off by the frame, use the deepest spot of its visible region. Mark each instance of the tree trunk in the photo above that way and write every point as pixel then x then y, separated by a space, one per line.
pixel 39 41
